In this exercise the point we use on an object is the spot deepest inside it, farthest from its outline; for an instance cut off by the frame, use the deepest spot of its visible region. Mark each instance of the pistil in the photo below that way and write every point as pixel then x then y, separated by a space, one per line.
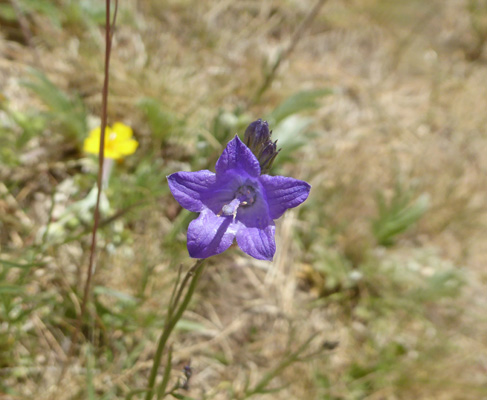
pixel 244 196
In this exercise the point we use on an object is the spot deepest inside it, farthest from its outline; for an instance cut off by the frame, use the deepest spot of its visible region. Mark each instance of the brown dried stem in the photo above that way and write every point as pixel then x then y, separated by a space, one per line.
pixel 89 273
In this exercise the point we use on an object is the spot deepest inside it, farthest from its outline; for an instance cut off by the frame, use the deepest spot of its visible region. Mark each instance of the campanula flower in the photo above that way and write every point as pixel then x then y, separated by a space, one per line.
pixel 118 141
pixel 236 202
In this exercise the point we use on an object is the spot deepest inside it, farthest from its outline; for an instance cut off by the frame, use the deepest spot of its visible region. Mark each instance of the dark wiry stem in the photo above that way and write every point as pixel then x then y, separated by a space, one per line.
pixel 101 159
pixel 86 291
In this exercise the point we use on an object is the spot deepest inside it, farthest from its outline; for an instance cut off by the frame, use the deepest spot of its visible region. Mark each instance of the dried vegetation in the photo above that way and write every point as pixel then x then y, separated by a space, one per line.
pixel 384 265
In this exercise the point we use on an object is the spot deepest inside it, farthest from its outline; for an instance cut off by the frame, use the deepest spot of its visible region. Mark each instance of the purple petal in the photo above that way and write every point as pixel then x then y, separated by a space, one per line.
pixel 209 235
pixel 257 214
pixel 223 190
pixel 283 193
pixel 238 156
pixel 189 187
pixel 257 242
pixel 256 230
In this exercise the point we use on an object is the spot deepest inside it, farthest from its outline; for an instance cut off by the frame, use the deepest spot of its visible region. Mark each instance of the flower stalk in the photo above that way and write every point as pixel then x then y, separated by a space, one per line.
pixel 174 314
pixel 109 26
pixel 107 170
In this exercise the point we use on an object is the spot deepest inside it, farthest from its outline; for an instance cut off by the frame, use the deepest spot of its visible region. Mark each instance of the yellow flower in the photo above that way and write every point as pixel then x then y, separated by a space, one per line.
pixel 118 141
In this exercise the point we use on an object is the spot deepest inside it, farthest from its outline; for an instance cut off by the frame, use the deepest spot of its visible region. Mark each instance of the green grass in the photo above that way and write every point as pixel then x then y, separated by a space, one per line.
pixel 385 118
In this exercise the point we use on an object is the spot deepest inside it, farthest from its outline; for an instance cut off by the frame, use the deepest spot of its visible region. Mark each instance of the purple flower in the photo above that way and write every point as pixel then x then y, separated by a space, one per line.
pixel 236 202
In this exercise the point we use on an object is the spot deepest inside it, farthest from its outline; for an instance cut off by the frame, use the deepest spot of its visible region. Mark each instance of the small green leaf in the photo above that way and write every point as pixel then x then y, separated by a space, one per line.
pixel 301 101
pixel 10 289
pixel 397 215
pixel 69 114
pixel 121 296
pixel 12 264
pixel 292 134
pixel 161 121
pixel 190 326
pixel 7 12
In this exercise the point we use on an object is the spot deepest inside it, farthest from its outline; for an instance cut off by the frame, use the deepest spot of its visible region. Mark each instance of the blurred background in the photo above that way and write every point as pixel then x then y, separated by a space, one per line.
pixel 379 104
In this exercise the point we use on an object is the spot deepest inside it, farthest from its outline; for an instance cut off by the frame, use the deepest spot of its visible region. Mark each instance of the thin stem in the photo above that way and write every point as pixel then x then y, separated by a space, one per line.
pixel 187 277
pixel 172 303
pixel 101 159
pixel 89 274
pixel 107 170
pixel 165 379
pixel 192 276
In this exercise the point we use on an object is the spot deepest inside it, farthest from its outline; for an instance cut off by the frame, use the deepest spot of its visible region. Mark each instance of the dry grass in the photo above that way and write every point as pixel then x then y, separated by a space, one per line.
pixel 408 108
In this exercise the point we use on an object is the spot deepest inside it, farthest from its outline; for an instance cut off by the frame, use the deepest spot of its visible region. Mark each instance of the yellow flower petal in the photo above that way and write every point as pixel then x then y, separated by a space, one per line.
pixel 95 133
pixel 123 131
pixel 118 141
pixel 113 153
pixel 127 147
pixel 92 145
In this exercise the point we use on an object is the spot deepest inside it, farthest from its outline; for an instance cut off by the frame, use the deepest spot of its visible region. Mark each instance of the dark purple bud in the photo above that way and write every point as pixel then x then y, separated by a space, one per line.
pixel 188 372
pixel 267 156
pixel 269 149
pixel 257 137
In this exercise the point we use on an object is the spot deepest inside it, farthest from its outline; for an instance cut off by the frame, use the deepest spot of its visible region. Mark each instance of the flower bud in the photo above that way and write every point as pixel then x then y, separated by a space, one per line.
pixel 267 156
pixel 257 137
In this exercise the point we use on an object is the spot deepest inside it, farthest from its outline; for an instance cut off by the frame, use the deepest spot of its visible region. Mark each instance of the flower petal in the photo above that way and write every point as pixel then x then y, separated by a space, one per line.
pixel 112 148
pixel 123 131
pixel 209 235
pixel 257 242
pixel 238 156
pixel 127 147
pixel 283 193
pixel 256 230
pixel 189 187
pixel 92 142
pixel 112 153
pixel 257 214
pixel 92 145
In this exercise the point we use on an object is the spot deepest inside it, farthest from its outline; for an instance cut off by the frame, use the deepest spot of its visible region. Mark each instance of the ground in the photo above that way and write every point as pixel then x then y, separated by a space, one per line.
pixel 378 104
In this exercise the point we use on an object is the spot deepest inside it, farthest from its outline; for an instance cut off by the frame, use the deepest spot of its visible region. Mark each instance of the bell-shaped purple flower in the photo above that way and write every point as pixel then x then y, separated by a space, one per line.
pixel 236 202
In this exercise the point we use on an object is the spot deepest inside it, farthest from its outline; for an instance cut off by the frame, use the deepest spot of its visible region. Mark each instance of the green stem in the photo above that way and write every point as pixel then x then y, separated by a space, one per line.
pixel 192 276
pixel 165 378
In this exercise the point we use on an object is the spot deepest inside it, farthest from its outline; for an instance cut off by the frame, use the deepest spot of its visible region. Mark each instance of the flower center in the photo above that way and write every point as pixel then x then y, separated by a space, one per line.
pixel 244 197
pixel 110 141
